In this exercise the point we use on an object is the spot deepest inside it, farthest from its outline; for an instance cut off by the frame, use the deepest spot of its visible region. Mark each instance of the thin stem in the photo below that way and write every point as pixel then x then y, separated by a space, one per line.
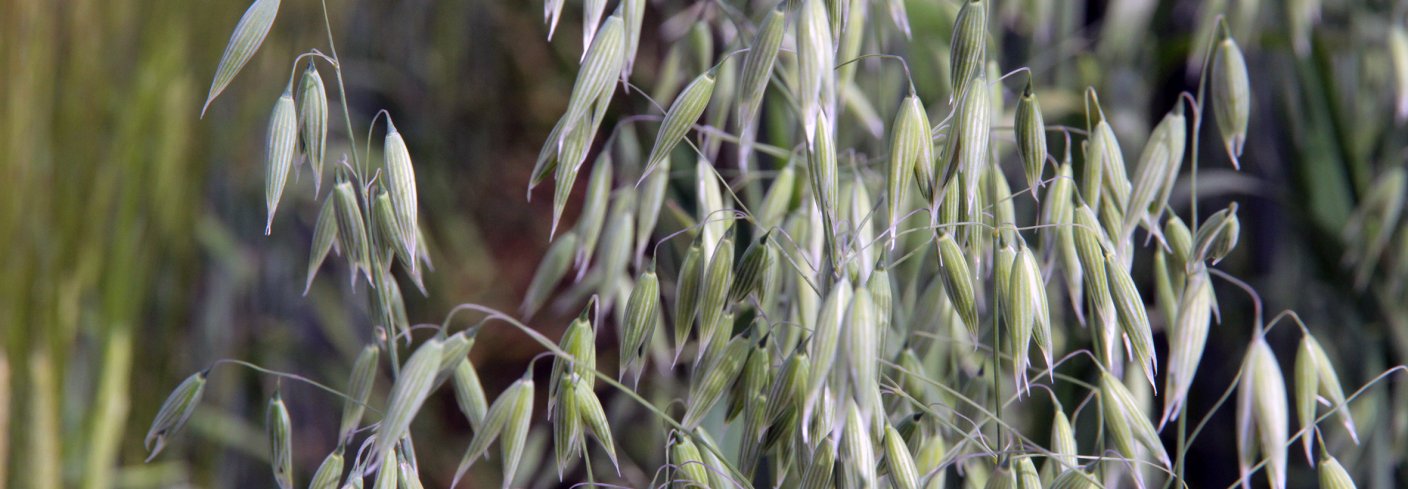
pixel 295 377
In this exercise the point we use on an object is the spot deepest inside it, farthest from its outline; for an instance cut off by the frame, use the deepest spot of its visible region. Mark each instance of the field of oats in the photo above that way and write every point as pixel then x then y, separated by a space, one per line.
pixel 703 243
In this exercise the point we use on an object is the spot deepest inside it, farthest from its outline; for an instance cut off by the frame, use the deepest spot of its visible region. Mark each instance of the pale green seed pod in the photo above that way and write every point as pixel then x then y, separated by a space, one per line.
pixel 281 144
pixel 1261 408
pixel 652 197
pixel 1231 97
pixel 1063 443
pixel 1056 204
pixel 174 412
pixel 1210 239
pixel 551 269
pixel 455 349
pixel 324 239
pixel 1125 421
pixel 279 428
pixel 546 163
pixel 411 389
pixel 778 200
pixel 819 468
pixel 593 418
pixel 1180 242
pixel 401 184
pixel 929 458
pixel 882 294
pixel 862 352
pixel 958 282
pixel 642 313
pixel 688 463
pixel 1090 248
pixel 857 455
pixel 1177 139
pixel 385 231
pixel 600 68
pixel 968 138
pixel 634 15
pixel 825 187
pixel 614 251
pixel 815 65
pixel 685 110
pixel 567 432
pixel 1017 301
pixel 592 11
pixel 748 275
pixel 911 155
pixel 1041 319
pixel 509 416
pixel 1026 474
pixel 718 472
pixel 1001 478
pixel 594 204
pixel 757 67
pixel 1069 258
pixel 1188 336
pixel 898 461
pixel 351 230
pixel 1316 376
pixel 313 111
pixel 1031 136
pixel 713 216
pixel 713 379
pixel 1074 479
pixel 578 341
pixel 687 292
pixel 789 387
pixel 1134 319
pixel 359 389
pixel 826 338
pixel 755 377
pixel 1151 173
pixel 387 474
pixel 469 394
pixel 713 293
pixel 1333 475
pixel 329 473
pixel 968 48
pixel 515 434
pixel 249 34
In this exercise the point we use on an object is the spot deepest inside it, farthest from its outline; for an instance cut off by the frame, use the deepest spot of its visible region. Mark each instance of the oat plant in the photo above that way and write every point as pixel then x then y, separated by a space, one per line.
pixel 819 272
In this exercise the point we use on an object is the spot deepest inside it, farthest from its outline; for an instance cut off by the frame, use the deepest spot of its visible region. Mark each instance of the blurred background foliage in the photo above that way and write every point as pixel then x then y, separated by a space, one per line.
pixel 131 251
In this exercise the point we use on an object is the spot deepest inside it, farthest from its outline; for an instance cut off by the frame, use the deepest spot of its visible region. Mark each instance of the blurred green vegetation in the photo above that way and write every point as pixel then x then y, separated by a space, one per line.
pixel 131 251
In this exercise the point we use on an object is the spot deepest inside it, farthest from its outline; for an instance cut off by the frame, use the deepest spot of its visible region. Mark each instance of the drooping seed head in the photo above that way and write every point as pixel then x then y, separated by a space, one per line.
pixel 758 67
pixel 1333 475
pixel 401 184
pixel 313 110
pixel 278 426
pixel 249 34
pixel 280 146
pixel 687 292
pixel 748 275
pixel 174 413
pixel 958 281
pixel 1125 421
pixel 815 65
pixel 968 48
pixel 554 265
pixel 1031 136
pixel 713 293
pixel 688 463
pixel 324 239
pixel 1134 319
pixel 898 461
pixel 351 230
pixel 685 110
pixel 713 379
pixel 359 390
pixel 329 473
pixel 1262 409
pixel 642 314
pixel 408 394
pixel 1187 337
pixel 469 394
pixel 1231 97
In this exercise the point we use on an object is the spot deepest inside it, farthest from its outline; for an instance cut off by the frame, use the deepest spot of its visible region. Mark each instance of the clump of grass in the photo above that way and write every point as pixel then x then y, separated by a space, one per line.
pixel 818 341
